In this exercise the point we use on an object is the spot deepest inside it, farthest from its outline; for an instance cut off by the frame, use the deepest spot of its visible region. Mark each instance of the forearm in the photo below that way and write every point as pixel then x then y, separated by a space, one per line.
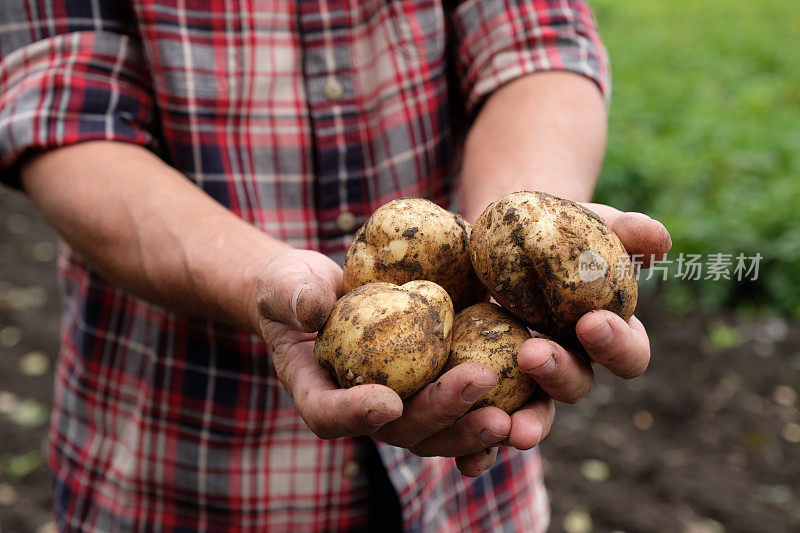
pixel 543 132
pixel 149 230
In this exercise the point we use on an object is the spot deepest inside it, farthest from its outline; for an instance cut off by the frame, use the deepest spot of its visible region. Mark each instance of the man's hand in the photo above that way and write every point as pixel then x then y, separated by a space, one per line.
pixel 296 293
pixel 547 132
pixel 622 347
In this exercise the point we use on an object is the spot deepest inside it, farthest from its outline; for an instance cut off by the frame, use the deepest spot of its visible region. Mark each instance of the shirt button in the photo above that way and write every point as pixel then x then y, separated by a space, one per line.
pixel 351 469
pixel 346 222
pixel 333 89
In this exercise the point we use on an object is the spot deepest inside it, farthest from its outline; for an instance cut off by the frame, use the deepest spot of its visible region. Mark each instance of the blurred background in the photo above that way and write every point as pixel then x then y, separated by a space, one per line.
pixel 705 136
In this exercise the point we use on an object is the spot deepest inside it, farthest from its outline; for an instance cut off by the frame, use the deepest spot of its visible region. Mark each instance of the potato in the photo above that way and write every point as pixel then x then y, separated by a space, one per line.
pixel 549 261
pixel 398 336
pixel 410 239
pixel 487 334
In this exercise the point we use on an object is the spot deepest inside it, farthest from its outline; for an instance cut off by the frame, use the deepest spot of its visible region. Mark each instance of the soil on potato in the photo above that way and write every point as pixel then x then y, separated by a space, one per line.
pixel 706 441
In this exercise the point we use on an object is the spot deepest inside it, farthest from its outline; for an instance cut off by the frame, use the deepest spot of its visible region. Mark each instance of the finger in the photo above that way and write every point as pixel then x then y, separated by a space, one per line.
pixel 477 463
pixel 532 423
pixel 357 411
pixel 471 433
pixel 439 404
pixel 290 291
pixel 331 412
pixel 641 235
pixel 559 373
pixel 621 347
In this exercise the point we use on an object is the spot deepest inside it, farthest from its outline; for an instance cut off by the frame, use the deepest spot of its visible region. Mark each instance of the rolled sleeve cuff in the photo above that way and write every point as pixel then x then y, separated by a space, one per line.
pixel 68 89
pixel 500 40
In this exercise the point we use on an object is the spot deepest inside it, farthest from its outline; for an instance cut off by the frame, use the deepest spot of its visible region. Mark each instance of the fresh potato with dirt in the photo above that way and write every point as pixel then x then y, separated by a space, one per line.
pixel 487 334
pixel 549 261
pixel 411 239
pixel 398 336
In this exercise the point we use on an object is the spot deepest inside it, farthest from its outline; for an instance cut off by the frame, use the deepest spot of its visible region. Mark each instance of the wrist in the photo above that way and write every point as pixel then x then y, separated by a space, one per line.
pixel 543 132
pixel 244 309
pixel 476 194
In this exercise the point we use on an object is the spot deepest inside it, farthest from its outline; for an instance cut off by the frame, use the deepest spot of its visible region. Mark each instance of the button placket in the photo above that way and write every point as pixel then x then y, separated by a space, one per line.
pixel 329 88
pixel 352 469
pixel 333 90
pixel 346 222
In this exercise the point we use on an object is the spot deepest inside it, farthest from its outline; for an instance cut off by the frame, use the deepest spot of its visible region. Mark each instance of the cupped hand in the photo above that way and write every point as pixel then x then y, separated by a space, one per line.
pixel 622 347
pixel 298 290
pixel 296 293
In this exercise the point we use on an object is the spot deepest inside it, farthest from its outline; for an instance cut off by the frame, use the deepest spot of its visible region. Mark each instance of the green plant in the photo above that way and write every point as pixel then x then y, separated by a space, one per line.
pixel 705 136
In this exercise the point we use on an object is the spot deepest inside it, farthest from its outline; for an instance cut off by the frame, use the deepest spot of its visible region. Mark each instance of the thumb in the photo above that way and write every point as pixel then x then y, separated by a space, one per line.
pixel 642 236
pixel 291 293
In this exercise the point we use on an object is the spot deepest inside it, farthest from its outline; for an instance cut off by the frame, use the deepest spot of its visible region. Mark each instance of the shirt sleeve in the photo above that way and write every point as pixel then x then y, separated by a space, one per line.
pixel 70 71
pixel 497 41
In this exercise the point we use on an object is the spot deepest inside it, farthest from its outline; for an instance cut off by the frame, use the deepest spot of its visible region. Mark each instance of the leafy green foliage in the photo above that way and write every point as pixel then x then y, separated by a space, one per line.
pixel 705 136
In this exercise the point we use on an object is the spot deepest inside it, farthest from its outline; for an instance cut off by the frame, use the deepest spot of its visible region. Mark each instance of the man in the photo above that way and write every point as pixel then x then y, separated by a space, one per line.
pixel 293 121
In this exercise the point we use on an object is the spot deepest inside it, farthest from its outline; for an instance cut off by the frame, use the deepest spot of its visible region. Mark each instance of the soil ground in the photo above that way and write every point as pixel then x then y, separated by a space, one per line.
pixel 706 441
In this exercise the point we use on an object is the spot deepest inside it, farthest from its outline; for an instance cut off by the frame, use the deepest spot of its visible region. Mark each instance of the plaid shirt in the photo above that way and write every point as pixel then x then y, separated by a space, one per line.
pixel 295 115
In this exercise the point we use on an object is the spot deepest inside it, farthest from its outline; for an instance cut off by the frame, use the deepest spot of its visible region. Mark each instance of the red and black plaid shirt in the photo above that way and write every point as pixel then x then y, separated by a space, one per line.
pixel 289 113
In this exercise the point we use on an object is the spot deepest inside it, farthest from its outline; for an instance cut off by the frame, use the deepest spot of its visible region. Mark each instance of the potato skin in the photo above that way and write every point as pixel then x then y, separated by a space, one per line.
pixel 534 251
pixel 413 238
pixel 487 334
pixel 398 336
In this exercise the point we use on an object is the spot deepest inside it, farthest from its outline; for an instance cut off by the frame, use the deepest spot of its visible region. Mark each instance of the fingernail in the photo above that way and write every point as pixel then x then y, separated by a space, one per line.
pixel 599 335
pixel 377 418
pixel 472 392
pixel 295 297
pixel 489 437
pixel 491 457
pixel 545 369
